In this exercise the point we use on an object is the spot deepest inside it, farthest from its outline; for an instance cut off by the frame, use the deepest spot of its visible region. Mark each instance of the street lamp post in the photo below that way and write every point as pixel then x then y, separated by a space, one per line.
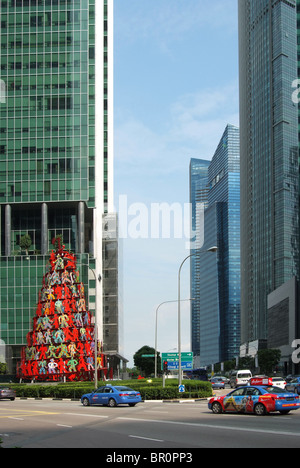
pixel 212 249
pixel 156 316
pixel 96 323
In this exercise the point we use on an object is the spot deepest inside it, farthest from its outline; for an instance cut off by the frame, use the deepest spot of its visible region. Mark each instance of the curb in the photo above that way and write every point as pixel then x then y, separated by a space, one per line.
pixel 144 401
pixel 186 400
pixel 49 399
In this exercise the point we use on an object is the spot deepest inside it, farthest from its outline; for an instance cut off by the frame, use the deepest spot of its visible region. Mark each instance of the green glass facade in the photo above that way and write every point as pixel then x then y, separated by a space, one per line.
pixel 269 157
pixel 46 65
pixel 54 147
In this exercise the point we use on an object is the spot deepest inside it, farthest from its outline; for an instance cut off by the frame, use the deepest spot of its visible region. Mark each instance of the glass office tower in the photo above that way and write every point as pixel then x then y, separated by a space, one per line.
pixel 216 281
pixel 56 165
pixel 269 156
pixel 198 200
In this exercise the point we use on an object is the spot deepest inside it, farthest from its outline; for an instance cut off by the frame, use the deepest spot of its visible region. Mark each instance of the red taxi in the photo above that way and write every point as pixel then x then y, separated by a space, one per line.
pixel 259 399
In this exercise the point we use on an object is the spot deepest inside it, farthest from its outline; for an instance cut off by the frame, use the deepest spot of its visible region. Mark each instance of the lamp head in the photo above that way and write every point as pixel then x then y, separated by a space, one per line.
pixel 212 249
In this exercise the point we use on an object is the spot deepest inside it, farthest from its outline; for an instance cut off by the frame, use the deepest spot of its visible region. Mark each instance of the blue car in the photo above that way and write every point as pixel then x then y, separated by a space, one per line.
pixel 112 396
pixel 217 383
pixel 294 386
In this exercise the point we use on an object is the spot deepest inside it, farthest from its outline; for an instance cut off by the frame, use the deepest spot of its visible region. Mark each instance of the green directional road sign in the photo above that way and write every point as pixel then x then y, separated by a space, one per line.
pixel 173 360
pixel 148 355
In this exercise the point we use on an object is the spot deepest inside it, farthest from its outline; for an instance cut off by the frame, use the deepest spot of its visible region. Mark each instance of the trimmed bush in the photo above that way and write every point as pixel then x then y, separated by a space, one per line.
pixel 149 390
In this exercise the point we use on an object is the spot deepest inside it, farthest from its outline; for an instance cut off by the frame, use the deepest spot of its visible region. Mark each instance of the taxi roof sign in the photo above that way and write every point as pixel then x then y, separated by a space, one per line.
pixel 261 381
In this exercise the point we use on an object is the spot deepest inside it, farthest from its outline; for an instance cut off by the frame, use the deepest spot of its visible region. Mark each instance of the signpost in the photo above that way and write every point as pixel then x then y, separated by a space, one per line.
pixel 172 361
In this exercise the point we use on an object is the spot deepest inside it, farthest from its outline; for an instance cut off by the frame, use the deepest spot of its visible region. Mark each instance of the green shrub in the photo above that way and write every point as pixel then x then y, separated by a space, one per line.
pixel 149 390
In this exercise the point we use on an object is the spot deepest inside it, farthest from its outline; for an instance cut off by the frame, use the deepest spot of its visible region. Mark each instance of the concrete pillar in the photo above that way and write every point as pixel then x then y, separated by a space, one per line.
pixel 81 216
pixel 44 230
pixel 8 230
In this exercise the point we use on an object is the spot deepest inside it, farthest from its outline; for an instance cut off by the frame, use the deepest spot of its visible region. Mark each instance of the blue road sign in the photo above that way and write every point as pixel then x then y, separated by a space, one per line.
pixel 173 360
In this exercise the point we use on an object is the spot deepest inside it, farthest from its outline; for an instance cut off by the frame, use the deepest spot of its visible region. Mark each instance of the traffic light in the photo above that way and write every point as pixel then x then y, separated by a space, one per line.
pixel 165 367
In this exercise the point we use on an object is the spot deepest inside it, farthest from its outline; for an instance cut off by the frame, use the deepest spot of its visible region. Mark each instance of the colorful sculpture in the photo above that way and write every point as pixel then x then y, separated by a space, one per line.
pixel 61 345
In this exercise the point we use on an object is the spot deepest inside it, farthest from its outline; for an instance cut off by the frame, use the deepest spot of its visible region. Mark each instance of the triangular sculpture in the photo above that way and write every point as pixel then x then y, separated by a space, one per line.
pixel 61 345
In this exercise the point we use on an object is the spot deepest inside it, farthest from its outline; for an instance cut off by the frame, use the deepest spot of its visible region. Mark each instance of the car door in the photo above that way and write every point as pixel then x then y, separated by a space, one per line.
pixel 106 395
pixel 97 396
pixel 251 397
pixel 234 401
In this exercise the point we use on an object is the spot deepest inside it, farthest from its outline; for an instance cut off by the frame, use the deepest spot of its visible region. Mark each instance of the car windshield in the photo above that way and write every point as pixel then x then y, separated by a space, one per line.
pixel 294 381
pixel 274 390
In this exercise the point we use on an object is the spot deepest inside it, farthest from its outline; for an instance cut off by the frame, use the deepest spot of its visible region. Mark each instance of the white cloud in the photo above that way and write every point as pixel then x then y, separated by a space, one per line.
pixel 165 21
pixel 196 123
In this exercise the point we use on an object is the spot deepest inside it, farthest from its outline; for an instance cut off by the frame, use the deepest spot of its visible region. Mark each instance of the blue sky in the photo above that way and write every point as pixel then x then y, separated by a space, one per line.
pixel 176 89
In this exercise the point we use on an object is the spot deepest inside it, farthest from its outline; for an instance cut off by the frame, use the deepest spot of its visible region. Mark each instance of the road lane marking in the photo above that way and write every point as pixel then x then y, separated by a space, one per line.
pixel 24 414
pixel 63 425
pixel 87 415
pixel 154 411
pixel 145 438
pixel 210 426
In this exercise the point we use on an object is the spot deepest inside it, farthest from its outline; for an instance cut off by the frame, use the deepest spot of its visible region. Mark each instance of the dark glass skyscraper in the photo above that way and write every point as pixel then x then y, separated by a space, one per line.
pixel 269 156
pixel 56 146
pixel 198 199
pixel 217 278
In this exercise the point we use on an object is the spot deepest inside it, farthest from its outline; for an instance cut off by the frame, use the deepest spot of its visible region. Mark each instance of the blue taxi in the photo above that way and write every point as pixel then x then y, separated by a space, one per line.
pixel 112 396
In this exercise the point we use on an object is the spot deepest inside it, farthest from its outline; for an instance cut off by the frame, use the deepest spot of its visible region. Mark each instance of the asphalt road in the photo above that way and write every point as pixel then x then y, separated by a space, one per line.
pixel 152 425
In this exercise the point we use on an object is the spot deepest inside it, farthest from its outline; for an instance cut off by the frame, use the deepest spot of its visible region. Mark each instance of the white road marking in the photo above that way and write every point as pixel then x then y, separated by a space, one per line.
pixel 210 426
pixel 145 438
pixel 87 415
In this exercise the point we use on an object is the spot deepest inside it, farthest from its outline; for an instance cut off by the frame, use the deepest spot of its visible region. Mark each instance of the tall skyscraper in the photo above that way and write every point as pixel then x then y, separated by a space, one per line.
pixel 56 167
pixel 198 200
pixel 217 277
pixel 269 157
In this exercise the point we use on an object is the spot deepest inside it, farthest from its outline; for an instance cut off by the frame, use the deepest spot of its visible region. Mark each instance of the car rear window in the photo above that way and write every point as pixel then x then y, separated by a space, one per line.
pixel 124 389
pixel 275 390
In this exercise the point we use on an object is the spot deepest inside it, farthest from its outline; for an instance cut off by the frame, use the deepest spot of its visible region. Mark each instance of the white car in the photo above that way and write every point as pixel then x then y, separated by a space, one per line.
pixel 279 382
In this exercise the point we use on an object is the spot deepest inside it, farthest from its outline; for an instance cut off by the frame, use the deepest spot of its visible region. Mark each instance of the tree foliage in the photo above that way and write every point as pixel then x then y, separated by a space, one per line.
pixel 146 364
pixel 25 242
pixel 3 368
pixel 268 359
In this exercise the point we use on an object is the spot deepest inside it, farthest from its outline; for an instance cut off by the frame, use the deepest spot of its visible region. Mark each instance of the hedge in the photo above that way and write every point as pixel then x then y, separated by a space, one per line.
pixel 149 390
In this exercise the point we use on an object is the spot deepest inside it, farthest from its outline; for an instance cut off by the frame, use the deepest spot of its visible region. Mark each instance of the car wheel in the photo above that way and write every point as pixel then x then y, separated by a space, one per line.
pixel 85 402
pixel 112 403
pixel 216 408
pixel 132 404
pixel 259 409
